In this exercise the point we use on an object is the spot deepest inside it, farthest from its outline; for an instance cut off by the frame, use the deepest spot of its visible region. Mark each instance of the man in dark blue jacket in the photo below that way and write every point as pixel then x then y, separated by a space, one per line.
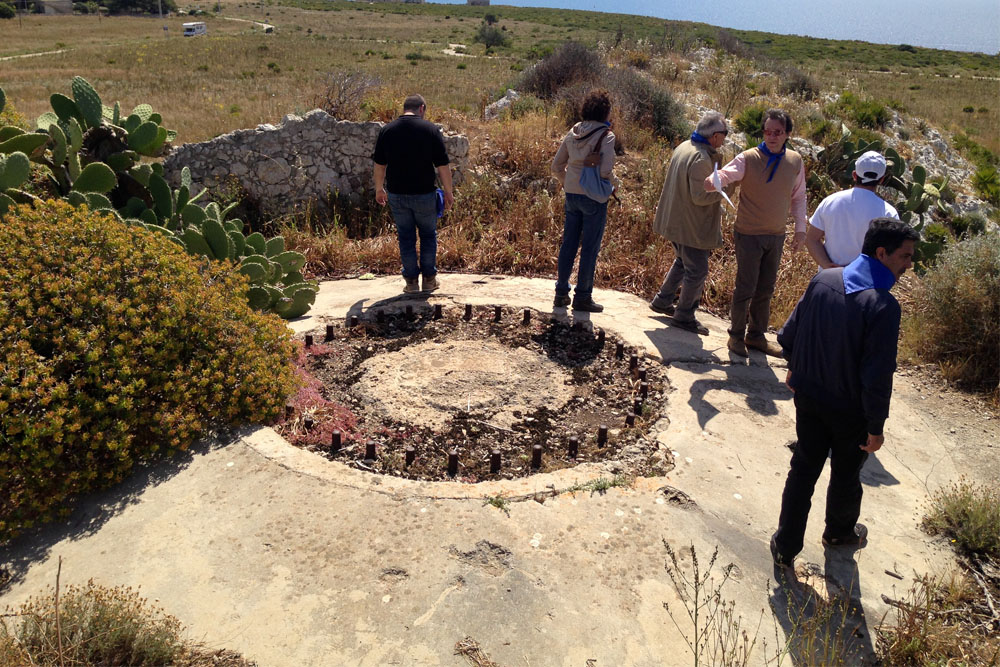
pixel 840 343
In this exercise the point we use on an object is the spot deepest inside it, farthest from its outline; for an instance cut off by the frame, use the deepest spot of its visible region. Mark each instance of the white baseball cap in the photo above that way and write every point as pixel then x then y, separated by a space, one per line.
pixel 870 167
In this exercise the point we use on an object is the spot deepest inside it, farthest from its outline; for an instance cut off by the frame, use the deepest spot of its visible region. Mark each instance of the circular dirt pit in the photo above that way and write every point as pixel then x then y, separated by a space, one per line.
pixel 447 398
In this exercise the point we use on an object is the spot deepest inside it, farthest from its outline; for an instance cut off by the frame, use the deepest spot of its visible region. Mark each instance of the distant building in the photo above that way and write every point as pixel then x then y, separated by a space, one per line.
pixel 54 6
pixel 479 3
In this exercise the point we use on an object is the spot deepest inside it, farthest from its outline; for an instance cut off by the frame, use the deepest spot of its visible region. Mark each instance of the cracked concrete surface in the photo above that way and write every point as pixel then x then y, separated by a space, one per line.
pixel 295 560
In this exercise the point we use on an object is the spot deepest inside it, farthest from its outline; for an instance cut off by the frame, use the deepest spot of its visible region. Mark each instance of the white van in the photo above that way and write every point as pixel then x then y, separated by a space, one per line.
pixel 195 28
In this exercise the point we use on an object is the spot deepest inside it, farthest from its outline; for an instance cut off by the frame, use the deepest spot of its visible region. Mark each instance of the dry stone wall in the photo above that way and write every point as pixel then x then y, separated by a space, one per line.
pixel 306 160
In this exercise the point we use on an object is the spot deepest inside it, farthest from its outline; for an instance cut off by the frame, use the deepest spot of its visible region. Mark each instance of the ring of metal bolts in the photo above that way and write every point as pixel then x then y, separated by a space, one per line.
pixel 573 445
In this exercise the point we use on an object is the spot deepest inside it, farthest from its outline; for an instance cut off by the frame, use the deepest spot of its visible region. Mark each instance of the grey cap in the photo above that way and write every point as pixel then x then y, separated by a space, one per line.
pixel 710 123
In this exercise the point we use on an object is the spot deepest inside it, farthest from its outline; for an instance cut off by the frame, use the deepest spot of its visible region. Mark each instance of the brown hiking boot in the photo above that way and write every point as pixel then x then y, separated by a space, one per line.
pixel 764 345
pixel 431 283
pixel 412 285
pixel 737 346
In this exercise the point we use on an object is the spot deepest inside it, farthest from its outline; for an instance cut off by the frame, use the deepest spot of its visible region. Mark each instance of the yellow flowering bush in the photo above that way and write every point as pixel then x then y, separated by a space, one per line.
pixel 116 346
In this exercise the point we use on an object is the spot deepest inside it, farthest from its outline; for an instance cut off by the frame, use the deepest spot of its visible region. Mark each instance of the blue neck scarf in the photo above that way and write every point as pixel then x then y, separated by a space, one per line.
pixel 772 158
pixel 698 139
pixel 867 273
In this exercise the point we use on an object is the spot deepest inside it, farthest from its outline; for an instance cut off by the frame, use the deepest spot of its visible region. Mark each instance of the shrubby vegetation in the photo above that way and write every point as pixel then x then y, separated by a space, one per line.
pixel 955 318
pixel 89 153
pixel 96 625
pixel 118 347
pixel 570 72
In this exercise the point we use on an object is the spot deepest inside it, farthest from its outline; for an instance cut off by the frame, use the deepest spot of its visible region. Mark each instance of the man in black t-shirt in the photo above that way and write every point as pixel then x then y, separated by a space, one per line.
pixel 407 153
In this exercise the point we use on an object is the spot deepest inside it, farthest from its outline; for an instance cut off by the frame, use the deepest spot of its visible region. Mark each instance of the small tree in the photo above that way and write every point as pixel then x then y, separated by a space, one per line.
pixel 491 37
pixel 490 19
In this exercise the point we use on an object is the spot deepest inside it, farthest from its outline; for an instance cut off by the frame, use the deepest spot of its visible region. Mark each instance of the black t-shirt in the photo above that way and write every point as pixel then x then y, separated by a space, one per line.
pixel 411 148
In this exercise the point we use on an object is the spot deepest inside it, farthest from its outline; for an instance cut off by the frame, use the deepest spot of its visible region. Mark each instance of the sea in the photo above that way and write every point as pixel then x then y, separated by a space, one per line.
pixel 958 25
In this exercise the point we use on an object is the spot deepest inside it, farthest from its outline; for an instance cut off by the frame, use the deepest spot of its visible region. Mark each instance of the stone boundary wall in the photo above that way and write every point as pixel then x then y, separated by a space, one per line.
pixel 306 160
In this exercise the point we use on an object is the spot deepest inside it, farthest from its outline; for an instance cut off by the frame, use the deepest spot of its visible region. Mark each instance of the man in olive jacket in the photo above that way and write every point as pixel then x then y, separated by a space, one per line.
pixel 691 219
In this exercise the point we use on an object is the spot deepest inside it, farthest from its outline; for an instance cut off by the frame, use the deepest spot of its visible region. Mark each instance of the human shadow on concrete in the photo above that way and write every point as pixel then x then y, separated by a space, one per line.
pixel 820 612
pixel 91 512
pixel 751 377
pixel 874 473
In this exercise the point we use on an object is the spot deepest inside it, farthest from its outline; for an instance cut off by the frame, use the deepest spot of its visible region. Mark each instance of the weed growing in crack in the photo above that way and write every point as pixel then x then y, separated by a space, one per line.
pixel 602 484
pixel 498 501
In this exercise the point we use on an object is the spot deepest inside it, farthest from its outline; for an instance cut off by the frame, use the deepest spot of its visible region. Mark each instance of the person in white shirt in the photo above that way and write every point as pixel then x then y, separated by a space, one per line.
pixel 838 226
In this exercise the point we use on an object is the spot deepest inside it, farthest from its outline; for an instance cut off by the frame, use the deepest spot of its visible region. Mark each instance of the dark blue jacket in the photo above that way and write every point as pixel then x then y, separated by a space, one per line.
pixel 841 344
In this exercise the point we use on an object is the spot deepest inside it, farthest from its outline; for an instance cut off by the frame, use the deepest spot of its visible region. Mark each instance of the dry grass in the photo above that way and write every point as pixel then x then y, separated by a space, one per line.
pixel 236 76
pixel 938 99
pixel 942 621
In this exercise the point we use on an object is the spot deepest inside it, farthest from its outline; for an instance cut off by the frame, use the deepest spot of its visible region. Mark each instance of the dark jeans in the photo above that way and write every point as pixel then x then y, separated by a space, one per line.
pixel 415 214
pixel 689 270
pixel 757 259
pixel 822 431
pixel 583 229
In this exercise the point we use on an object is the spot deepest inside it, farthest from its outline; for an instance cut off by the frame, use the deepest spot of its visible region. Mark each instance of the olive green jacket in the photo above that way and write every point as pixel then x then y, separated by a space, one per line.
pixel 687 214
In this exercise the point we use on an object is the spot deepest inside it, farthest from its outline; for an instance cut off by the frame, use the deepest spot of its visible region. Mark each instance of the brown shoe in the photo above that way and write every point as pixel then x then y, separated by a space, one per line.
pixel 412 285
pixel 431 283
pixel 764 345
pixel 737 346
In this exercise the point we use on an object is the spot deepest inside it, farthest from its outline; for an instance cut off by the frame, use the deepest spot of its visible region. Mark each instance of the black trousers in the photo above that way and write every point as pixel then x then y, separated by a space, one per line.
pixel 822 432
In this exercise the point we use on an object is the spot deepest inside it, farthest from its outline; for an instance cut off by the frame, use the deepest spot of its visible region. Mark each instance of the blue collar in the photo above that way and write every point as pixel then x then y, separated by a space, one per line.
pixel 699 139
pixel 772 158
pixel 867 273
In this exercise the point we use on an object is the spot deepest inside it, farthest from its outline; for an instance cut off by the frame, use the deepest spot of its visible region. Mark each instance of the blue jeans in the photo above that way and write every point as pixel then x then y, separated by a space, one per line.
pixel 413 214
pixel 583 230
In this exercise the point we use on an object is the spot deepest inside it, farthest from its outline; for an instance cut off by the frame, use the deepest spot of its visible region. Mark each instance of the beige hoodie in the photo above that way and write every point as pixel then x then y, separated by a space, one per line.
pixel 568 163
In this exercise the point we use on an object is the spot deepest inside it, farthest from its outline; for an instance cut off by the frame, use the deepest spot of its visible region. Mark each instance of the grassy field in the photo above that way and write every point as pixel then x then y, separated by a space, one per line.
pixel 238 77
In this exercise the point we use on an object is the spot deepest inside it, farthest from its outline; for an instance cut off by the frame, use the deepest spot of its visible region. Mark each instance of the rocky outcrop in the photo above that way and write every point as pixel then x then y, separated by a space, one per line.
pixel 306 160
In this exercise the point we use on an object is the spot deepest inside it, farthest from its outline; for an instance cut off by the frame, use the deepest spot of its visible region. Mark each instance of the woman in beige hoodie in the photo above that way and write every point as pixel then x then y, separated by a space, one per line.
pixel 585 213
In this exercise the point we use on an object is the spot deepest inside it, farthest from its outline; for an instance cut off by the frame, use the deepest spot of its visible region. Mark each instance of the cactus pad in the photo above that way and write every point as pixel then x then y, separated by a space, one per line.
pixel 65 108
pixel 14 170
pixel 95 177
pixel 24 143
pixel 88 100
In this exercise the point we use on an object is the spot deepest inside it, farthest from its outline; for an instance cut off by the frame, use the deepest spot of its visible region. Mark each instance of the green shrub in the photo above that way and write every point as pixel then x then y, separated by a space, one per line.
pixel 967 225
pixel 969 515
pixel 955 320
pixel 986 180
pixel 6 11
pixel 523 106
pixel 982 156
pixel 968 108
pixel 750 122
pixel 572 63
pixel 871 114
pixel 117 347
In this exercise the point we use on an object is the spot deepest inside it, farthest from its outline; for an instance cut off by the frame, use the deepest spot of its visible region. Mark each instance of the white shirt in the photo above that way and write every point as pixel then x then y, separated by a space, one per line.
pixel 843 217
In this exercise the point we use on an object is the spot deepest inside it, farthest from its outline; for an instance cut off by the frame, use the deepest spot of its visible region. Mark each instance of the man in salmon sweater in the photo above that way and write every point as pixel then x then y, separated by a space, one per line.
pixel 772 187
